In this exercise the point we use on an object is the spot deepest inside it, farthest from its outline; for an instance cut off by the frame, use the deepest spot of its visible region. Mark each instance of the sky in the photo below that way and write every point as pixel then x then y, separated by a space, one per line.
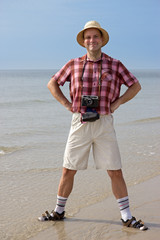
pixel 41 34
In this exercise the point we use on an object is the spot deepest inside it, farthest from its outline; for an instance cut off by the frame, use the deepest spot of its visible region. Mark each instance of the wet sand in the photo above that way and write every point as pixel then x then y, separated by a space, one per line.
pixel 31 155
pixel 102 220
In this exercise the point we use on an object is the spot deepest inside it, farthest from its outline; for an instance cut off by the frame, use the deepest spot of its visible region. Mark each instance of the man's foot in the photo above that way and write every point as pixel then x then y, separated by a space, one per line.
pixel 54 216
pixel 133 223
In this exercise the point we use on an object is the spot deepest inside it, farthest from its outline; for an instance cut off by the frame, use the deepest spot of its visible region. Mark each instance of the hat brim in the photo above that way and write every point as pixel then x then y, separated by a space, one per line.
pixel 80 36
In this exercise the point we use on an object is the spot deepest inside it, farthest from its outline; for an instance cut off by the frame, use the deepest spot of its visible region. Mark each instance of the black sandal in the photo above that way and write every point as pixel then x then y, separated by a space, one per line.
pixel 137 224
pixel 54 216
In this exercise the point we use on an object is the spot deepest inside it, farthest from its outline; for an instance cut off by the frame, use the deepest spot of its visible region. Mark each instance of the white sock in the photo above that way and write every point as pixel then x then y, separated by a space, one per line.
pixel 123 204
pixel 61 202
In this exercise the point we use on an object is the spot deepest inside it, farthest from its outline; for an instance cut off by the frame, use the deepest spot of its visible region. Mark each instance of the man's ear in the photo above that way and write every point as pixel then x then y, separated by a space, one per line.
pixel 83 42
pixel 102 39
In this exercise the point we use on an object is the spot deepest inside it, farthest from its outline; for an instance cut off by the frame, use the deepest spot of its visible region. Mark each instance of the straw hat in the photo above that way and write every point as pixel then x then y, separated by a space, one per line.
pixel 92 24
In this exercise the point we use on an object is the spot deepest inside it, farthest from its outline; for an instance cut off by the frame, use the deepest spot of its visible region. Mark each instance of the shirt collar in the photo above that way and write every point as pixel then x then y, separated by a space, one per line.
pixel 103 57
pixel 84 58
pixel 89 60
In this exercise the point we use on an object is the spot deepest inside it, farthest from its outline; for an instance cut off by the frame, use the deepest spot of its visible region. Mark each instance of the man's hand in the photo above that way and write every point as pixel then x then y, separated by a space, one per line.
pixel 68 106
pixel 115 105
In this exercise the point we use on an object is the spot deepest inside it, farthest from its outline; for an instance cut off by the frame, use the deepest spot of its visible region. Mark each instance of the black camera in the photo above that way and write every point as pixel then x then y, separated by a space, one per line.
pixel 90 101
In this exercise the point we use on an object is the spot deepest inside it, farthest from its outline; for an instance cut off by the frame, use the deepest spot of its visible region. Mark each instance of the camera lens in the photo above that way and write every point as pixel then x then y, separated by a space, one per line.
pixel 89 101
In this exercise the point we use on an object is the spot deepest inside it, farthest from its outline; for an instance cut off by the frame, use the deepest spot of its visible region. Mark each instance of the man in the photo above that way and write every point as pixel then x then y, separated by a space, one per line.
pixel 95 81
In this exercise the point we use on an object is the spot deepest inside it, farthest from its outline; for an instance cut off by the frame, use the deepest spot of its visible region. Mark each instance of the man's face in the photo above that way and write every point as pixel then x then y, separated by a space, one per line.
pixel 93 39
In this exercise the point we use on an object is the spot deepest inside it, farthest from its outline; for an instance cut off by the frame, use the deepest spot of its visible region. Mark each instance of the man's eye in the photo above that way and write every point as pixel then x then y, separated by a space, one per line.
pixel 88 38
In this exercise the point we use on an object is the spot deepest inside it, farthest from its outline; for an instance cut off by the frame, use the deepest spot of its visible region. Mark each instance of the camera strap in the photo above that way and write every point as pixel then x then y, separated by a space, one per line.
pixel 100 79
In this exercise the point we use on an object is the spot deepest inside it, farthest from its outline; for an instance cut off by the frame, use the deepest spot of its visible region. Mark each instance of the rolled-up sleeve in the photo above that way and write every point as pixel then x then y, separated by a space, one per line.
pixel 63 74
pixel 126 77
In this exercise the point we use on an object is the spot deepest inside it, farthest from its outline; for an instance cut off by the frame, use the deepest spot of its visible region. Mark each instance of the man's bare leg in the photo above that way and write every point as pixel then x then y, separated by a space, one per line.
pixel 120 192
pixel 66 182
pixel 118 184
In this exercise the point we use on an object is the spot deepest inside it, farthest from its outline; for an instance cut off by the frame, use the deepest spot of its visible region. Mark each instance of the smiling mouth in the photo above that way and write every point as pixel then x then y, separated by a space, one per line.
pixel 93 44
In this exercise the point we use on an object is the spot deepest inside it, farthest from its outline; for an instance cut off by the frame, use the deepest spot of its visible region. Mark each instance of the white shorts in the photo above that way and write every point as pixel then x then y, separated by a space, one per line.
pixel 100 135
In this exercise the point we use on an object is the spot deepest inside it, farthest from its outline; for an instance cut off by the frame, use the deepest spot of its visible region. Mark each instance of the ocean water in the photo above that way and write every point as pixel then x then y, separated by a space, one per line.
pixel 33 132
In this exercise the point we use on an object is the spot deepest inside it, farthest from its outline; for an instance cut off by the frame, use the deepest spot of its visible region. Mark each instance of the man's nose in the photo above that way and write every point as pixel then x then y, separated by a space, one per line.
pixel 92 39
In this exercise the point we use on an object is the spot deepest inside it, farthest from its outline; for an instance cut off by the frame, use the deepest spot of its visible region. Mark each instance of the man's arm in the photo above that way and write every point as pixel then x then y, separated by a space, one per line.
pixel 55 90
pixel 130 93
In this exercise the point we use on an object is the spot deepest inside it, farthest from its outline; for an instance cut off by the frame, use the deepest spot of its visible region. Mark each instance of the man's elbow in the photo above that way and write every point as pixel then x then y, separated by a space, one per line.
pixel 50 84
pixel 137 86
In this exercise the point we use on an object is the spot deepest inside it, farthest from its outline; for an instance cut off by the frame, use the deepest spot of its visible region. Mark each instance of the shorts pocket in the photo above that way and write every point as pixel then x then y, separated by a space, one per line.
pixel 76 119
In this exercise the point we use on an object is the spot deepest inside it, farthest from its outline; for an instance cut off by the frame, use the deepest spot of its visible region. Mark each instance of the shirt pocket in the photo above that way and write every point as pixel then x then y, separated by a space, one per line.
pixel 106 77
pixel 107 84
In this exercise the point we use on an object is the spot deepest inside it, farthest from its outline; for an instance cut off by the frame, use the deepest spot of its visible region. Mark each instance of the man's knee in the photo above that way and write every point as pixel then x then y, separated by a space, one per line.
pixel 68 173
pixel 115 173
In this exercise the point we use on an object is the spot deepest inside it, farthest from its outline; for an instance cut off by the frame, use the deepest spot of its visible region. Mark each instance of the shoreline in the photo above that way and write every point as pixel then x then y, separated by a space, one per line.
pixel 102 220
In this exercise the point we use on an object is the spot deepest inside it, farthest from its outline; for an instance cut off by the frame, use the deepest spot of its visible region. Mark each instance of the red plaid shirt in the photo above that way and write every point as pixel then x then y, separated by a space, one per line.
pixel 114 74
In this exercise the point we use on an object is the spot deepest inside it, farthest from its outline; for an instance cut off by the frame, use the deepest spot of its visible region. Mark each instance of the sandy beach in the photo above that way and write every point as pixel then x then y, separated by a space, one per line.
pixel 31 155
pixel 101 220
